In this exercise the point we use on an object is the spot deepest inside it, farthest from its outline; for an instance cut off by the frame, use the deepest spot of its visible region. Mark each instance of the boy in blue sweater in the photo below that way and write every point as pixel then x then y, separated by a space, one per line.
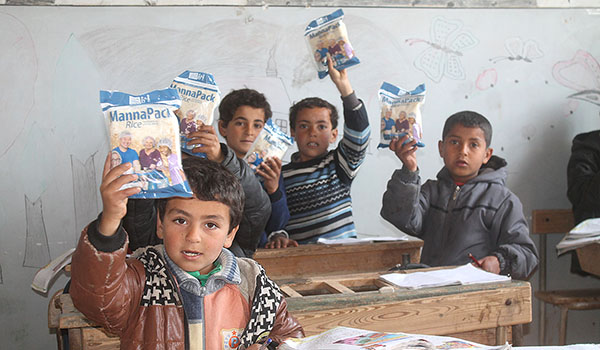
pixel 317 181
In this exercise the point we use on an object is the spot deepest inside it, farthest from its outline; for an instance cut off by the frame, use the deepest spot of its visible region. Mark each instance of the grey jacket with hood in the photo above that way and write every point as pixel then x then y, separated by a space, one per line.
pixel 482 217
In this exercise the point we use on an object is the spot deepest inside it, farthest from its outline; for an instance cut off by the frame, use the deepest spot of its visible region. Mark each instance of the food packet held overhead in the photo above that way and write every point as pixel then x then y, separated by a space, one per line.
pixel 271 142
pixel 328 35
pixel 200 96
pixel 144 131
pixel 401 113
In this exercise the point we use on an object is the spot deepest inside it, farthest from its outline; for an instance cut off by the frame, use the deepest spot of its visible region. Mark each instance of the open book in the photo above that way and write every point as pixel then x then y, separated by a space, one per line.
pixel 466 274
pixel 587 232
pixel 352 338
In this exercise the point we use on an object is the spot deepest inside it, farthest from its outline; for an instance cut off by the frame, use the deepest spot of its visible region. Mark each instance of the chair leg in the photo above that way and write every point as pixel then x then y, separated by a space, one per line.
pixel 563 325
pixel 517 335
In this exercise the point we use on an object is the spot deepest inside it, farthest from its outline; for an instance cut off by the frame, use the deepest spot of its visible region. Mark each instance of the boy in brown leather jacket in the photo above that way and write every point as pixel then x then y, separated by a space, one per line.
pixel 191 292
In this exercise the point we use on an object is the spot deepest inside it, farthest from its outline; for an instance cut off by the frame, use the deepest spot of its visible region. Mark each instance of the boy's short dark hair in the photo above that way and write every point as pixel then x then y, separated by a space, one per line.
pixel 469 119
pixel 242 97
pixel 313 102
pixel 211 181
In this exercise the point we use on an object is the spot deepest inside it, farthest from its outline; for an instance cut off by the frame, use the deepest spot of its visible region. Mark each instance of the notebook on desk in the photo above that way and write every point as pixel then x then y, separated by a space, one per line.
pixel 465 274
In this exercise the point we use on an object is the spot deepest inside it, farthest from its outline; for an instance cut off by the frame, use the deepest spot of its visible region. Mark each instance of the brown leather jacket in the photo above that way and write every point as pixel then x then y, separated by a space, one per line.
pixel 141 299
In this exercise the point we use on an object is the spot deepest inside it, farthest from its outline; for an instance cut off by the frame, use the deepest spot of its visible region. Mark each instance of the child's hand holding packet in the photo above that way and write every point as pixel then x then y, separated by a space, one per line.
pixel 401 113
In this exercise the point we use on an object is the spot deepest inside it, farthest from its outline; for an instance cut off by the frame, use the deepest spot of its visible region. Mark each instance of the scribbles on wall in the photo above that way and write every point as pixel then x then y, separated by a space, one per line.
pixel 582 74
pixel 16 90
pixel 487 79
pixel 77 111
pixel 447 42
pixel 519 50
pixel 37 252
pixel 282 124
pixel 85 189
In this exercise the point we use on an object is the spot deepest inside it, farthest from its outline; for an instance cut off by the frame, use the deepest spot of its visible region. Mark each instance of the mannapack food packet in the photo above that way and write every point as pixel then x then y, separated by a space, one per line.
pixel 200 96
pixel 144 130
pixel 270 142
pixel 401 113
pixel 328 35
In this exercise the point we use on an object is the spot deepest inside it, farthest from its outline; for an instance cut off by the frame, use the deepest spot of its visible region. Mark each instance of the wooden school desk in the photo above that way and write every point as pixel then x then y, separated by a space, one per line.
pixel 324 259
pixel 482 313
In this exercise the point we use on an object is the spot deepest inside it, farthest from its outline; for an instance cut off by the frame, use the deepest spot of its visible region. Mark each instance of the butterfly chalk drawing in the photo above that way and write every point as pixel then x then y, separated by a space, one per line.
pixel 442 57
pixel 519 50
pixel 582 74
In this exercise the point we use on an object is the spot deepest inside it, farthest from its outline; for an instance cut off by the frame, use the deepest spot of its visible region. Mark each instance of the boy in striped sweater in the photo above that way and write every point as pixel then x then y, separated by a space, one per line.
pixel 317 181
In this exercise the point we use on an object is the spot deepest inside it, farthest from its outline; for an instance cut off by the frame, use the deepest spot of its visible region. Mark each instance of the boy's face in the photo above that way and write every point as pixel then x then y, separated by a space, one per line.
pixel 194 231
pixel 464 151
pixel 242 130
pixel 313 132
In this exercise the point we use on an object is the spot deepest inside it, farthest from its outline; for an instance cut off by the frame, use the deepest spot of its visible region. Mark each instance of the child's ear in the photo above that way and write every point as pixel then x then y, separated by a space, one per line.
pixel 159 227
pixel 222 129
pixel 440 148
pixel 293 132
pixel 230 237
pixel 488 154
pixel 334 135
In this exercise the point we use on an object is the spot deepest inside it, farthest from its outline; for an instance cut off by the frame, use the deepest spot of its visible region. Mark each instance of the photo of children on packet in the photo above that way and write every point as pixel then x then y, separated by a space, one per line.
pixel 328 36
pixel 271 142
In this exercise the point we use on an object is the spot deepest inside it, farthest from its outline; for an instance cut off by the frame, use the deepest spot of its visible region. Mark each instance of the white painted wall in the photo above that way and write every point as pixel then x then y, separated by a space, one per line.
pixel 55 59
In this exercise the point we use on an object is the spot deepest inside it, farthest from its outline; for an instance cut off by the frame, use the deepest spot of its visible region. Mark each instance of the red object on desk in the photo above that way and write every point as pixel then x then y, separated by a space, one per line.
pixel 475 261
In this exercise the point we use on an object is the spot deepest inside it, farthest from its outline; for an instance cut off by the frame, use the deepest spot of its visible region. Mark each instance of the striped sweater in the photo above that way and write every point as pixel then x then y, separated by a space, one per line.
pixel 318 190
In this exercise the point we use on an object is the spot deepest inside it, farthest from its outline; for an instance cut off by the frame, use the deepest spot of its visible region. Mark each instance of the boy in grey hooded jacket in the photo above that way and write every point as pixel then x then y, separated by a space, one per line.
pixel 468 209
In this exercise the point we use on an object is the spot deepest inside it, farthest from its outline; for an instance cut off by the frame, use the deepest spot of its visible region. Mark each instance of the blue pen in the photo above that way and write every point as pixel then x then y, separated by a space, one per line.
pixel 265 344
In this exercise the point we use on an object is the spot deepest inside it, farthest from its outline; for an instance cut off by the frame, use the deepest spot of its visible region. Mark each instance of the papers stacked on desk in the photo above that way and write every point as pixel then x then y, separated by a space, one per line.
pixel 466 274
pixel 361 240
pixel 587 232
pixel 352 338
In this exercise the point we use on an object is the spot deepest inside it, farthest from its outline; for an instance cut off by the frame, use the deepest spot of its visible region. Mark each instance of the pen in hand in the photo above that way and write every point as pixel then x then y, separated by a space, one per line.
pixel 475 261
pixel 265 344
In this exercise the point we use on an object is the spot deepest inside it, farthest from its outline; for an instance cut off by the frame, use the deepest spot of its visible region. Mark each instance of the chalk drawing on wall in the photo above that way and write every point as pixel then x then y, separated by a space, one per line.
pixel 282 124
pixel 85 191
pixel 486 79
pixel 17 88
pixel 82 129
pixel 37 252
pixel 582 74
pixel 447 42
pixel 520 51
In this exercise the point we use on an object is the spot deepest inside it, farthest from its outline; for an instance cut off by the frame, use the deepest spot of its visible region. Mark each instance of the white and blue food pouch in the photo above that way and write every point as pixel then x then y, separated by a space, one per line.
pixel 144 131
pixel 328 35
pixel 401 113
pixel 200 96
pixel 270 142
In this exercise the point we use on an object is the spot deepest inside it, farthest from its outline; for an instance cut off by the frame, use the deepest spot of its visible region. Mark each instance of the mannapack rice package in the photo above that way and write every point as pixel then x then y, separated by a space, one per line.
pixel 271 142
pixel 200 96
pixel 144 131
pixel 401 113
pixel 328 34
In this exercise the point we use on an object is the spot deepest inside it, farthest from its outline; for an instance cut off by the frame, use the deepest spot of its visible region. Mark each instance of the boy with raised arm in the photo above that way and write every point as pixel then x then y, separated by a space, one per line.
pixel 317 181
pixel 189 293
pixel 468 209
